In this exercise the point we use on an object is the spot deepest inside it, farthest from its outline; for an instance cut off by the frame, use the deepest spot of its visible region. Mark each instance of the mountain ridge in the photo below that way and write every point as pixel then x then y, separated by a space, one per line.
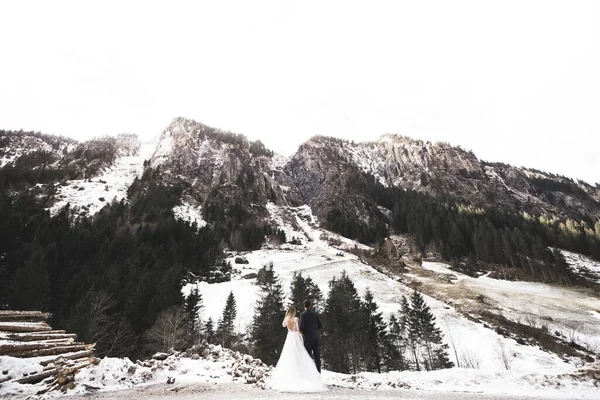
pixel 221 172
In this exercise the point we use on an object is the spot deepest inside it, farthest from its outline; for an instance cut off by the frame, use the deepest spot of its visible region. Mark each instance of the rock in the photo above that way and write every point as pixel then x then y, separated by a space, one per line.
pixel 146 375
pixel 160 356
pixel 195 356
pixel 248 359
pixel 132 368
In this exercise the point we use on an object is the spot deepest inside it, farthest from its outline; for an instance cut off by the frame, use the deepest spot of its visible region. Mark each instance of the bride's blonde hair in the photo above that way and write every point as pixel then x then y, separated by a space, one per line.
pixel 291 312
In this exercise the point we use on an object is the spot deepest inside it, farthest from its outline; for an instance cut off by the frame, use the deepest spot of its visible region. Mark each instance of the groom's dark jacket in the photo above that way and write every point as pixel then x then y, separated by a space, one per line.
pixel 309 323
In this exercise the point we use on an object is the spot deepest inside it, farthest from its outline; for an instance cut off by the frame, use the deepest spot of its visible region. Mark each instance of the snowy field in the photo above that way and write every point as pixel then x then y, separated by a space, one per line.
pixel 573 313
pixel 214 376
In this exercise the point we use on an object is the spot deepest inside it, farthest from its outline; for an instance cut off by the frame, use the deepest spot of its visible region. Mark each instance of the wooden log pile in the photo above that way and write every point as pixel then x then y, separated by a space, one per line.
pixel 26 334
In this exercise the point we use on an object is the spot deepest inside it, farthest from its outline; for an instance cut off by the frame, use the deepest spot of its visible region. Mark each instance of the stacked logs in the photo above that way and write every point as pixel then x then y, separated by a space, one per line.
pixel 26 334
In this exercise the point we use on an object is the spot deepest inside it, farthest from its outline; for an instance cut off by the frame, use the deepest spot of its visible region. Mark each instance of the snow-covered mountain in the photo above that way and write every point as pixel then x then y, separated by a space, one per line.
pixel 440 169
pixel 217 166
pixel 244 191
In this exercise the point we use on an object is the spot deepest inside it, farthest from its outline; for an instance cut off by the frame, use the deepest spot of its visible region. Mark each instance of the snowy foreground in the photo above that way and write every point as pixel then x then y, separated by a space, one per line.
pixel 493 366
pixel 227 392
pixel 222 374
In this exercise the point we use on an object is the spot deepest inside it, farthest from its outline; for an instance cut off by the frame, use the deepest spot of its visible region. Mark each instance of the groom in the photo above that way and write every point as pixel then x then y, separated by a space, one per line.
pixel 309 323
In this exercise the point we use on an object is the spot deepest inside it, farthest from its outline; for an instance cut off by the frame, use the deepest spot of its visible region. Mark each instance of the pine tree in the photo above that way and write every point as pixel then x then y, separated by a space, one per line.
pixel 192 306
pixel 376 335
pixel 31 286
pixel 396 345
pixel 413 339
pixel 344 335
pixel 302 289
pixel 225 330
pixel 422 323
pixel 266 330
pixel 209 330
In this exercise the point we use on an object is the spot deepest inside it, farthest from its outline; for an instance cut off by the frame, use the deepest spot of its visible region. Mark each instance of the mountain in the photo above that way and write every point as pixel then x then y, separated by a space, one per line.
pixel 219 166
pixel 130 221
pixel 443 170
pixel 353 188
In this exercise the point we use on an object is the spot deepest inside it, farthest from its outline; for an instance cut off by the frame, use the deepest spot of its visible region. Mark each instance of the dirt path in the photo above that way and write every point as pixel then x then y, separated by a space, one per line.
pixel 238 391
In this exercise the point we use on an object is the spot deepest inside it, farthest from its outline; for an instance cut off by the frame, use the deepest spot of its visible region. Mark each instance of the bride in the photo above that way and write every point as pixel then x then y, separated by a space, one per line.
pixel 295 370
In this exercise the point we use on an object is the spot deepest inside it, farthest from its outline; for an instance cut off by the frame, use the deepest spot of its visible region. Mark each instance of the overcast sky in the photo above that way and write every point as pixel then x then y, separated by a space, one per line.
pixel 517 82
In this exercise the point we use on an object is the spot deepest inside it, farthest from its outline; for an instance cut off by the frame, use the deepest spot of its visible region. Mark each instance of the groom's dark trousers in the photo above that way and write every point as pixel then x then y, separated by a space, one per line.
pixel 309 323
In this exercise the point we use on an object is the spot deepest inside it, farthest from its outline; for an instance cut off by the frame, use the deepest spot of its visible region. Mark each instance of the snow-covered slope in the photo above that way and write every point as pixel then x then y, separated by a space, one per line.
pixel 14 145
pixel 90 195
pixel 570 313
pixel 583 266
pixel 474 342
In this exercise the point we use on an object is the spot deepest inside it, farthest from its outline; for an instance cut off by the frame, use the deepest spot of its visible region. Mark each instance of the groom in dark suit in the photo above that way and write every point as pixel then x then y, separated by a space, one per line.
pixel 309 323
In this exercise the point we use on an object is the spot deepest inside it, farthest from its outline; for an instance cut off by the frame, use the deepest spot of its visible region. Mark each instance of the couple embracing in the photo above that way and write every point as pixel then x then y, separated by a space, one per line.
pixel 296 371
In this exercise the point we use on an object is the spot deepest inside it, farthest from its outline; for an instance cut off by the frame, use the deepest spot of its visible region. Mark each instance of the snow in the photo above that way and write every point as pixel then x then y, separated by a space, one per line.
pixel 18 367
pixel 163 148
pixel 571 312
pixel 278 162
pixel 20 146
pixel 8 158
pixel 91 196
pixel 445 384
pixel 228 372
pixel 583 265
pixel 368 159
pixel 532 371
pixel 474 342
pixel 202 364
pixel 189 213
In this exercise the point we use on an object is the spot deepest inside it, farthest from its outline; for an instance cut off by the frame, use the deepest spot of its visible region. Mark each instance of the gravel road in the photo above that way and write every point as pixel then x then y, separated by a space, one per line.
pixel 239 392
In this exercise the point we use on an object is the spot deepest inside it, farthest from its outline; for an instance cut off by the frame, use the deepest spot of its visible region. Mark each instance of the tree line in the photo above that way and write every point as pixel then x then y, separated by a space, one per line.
pixel 108 277
pixel 470 237
pixel 355 337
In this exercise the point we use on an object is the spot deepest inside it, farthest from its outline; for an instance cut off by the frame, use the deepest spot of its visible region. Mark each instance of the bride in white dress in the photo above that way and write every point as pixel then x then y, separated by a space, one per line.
pixel 295 370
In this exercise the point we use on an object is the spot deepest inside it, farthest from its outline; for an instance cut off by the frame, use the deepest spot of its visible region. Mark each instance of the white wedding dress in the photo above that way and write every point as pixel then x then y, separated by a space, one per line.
pixel 295 370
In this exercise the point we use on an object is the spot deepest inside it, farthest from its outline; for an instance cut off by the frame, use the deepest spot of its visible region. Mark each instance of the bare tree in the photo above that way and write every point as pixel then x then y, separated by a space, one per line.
pixel 571 331
pixel 168 331
pixel 504 355
pixel 100 323
pixel 469 359
pixel 454 341
pixel 122 338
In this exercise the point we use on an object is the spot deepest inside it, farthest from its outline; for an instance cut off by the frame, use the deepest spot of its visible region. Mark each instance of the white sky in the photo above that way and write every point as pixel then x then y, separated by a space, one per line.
pixel 515 81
